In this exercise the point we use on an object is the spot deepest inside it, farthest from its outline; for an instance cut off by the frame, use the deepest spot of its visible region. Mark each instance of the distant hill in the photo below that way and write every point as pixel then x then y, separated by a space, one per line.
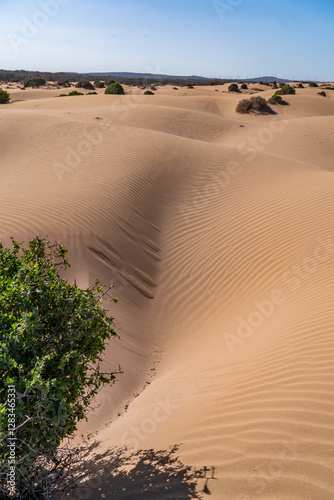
pixel 268 79
pixel 128 77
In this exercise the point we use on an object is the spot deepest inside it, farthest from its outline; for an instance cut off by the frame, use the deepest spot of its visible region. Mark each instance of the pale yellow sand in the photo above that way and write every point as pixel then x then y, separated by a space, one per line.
pixel 217 230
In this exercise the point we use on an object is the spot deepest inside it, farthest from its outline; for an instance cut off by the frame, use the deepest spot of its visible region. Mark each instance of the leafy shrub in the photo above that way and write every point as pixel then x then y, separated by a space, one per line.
pixel 34 82
pixel 243 86
pixel 175 88
pixel 4 97
pixel 329 88
pixel 277 99
pixel 322 93
pixel 275 86
pixel 114 88
pixel 300 86
pixel 285 90
pixel 52 338
pixel 256 105
pixel 91 93
pixel 148 92
pixel 85 84
pixel 233 87
pixel 99 85
pixel 109 82
pixel 75 92
pixel 66 83
pixel 312 84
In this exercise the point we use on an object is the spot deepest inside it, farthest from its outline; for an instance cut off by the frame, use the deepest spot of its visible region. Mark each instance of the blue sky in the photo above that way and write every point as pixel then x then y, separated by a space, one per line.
pixel 216 38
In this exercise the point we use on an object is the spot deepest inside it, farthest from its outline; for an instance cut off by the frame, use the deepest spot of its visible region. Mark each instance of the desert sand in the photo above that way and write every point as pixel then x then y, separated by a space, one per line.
pixel 217 232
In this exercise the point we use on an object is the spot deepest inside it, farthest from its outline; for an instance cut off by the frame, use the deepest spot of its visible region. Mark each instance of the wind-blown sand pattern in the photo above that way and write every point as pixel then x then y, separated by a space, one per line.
pixel 218 232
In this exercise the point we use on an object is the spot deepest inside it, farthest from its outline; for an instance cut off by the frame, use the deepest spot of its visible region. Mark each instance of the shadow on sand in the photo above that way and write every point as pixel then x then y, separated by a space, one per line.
pixel 144 475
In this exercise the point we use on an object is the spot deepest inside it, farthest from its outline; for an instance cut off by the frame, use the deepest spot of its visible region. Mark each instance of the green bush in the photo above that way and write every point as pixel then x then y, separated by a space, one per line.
pixel 243 86
pixel 114 88
pixel 4 97
pixel 91 93
pixel 52 338
pixel 329 88
pixel 322 93
pixel 66 83
pixel 300 86
pixel 109 82
pixel 75 92
pixel 34 82
pixel 148 92
pixel 175 88
pixel 85 84
pixel 275 86
pixel 233 87
pixel 312 84
pixel 285 90
pixel 99 85
pixel 277 99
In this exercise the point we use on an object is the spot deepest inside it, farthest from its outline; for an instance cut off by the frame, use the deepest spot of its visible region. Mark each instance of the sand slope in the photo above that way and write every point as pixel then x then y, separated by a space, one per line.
pixel 217 231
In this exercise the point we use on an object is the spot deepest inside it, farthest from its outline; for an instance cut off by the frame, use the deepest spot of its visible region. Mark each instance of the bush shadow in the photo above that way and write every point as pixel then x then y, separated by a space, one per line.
pixel 144 475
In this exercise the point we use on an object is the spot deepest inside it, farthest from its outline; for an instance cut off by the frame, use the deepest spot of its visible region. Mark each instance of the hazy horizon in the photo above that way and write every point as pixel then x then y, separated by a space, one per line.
pixel 219 38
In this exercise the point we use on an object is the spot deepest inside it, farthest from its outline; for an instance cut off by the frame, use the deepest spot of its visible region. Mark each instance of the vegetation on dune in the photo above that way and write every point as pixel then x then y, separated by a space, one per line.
pixel 65 83
pixel 85 84
pixel 148 92
pixel 99 85
pixel 277 99
pixel 34 82
pixel 74 92
pixel 52 337
pixel 312 84
pixel 233 87
pixel 114 88
pixel 4 97
pixel 322 93
pixel 256 105
pixel 285 90
pixel 243 86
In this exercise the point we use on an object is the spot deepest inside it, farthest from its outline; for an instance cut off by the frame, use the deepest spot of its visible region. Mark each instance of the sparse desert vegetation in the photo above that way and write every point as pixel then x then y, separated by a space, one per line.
pixel 114 88
pixel 233 87
pixel 256 105
pixel 4 97
pixel 85 84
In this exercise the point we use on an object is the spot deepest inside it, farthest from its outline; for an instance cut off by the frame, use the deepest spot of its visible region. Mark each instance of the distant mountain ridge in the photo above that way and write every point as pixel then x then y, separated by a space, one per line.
pixel 153 76
pixel 128 77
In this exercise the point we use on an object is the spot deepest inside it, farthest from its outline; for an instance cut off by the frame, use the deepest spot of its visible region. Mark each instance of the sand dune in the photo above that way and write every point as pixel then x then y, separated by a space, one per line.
pixel 216 229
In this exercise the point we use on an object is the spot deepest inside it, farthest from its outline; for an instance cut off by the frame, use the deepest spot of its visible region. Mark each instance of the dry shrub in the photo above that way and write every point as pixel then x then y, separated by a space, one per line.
pixel 256 105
